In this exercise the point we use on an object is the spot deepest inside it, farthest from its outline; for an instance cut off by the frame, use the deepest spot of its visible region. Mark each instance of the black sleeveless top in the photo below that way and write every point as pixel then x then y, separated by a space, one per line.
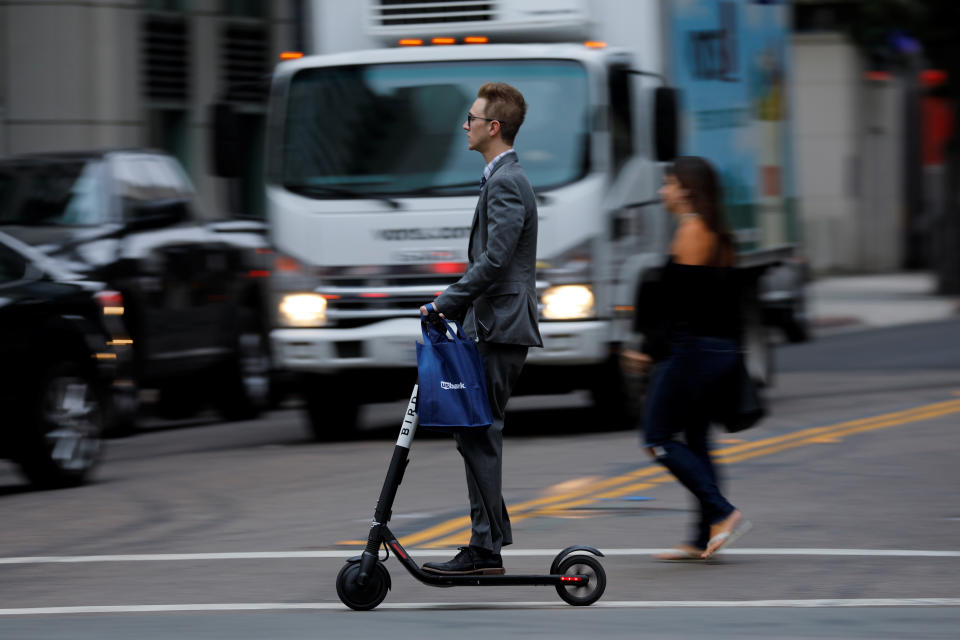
pixel 687 300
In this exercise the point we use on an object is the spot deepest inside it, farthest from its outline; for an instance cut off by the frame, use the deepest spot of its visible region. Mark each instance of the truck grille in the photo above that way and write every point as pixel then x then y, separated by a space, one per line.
pixel 390 13
pixel 355 302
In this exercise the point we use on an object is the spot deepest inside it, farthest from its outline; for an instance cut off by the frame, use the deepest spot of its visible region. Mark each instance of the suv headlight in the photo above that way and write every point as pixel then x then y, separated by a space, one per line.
pixel 568 302
pixel 303 310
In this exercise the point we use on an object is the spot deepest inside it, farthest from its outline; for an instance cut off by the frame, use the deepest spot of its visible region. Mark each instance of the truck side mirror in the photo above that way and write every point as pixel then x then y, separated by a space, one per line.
pixel 666 130
pixel 224 141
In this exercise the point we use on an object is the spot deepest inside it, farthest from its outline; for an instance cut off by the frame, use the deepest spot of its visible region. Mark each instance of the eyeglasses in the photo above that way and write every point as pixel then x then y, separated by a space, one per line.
pixel 471 118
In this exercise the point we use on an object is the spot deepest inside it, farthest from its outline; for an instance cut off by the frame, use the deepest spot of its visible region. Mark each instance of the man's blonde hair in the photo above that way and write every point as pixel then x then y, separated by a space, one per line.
pixel 505 105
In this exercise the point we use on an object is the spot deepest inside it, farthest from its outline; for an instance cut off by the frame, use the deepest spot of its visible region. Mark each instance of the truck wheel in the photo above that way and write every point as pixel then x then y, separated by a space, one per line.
pixel 66 438
pixel 244 388
pixel 617 397
pixel 332 407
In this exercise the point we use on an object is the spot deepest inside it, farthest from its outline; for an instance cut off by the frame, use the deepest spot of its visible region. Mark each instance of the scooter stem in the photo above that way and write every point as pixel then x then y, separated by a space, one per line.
pixel 384 509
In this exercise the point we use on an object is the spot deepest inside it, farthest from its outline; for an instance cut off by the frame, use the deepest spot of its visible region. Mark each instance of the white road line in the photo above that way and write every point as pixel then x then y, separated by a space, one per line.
pixel 624 604
pixel 434 553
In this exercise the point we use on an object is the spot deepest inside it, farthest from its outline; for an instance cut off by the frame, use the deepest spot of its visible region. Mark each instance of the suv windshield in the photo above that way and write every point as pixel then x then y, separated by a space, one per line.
pixel 396 128
pixel 63 192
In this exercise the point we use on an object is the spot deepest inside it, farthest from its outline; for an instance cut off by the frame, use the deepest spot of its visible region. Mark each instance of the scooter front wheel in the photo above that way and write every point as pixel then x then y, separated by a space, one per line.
pixel 368 596
pixel 585 566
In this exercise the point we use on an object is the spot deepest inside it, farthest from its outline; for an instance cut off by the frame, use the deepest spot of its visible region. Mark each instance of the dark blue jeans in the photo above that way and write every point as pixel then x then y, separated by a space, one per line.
pixel 683 392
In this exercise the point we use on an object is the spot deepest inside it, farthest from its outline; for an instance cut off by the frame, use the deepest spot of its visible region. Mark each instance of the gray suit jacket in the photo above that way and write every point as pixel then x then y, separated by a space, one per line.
pixel 496 298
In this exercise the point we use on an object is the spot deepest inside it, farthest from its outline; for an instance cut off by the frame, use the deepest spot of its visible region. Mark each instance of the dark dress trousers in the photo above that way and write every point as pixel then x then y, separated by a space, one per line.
pixel 497 301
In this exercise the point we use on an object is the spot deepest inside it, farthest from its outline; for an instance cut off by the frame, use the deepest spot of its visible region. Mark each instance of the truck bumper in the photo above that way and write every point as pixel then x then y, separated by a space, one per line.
pixel 572 343
pixel 386 344
pixel 391 344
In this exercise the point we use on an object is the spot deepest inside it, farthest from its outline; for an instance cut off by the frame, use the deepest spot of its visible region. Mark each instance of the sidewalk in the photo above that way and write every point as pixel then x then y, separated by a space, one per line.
pixel 849 302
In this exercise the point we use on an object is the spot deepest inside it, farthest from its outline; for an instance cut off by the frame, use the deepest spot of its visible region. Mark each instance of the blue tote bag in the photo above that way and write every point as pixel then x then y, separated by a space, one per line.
pixel 453 388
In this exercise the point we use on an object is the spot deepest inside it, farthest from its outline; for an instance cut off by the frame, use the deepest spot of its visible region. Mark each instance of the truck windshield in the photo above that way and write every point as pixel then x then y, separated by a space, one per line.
pixel 396 128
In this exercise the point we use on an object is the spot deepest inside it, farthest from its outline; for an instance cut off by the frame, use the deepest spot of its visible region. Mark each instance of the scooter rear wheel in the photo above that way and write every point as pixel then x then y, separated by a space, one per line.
pixel 589 566
pixel 368 596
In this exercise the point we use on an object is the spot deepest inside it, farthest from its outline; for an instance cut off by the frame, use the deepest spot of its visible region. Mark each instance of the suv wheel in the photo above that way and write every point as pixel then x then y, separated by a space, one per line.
pixel 244 388
pixel 67 438
pixel 181 398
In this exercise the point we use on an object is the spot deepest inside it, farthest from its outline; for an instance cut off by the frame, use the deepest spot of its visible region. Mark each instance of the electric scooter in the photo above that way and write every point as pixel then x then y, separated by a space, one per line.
pixel 363 581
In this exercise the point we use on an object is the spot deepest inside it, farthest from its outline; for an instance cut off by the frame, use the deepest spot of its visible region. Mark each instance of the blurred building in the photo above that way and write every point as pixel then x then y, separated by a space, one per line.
pixel 131 73
pixel 92 74
pixel 859 131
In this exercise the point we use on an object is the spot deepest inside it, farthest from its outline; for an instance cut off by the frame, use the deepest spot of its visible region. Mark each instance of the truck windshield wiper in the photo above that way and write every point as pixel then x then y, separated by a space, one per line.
pixel 328 190
pixel 436 188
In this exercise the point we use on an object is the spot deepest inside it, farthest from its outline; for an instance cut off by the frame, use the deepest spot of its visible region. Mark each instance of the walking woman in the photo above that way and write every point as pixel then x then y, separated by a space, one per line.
pixel 690 320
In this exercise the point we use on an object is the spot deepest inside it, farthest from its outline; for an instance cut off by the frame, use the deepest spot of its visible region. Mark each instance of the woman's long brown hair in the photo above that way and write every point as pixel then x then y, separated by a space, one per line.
pixel 698 176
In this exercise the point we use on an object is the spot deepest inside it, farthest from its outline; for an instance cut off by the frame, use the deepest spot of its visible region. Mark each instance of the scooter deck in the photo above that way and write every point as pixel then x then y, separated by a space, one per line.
pixel 452 580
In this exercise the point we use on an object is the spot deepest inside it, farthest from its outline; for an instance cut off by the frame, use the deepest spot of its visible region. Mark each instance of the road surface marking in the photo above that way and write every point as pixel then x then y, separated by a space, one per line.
pixel 457 524
pixel 457 530
pixel 434 553
pixel 552 604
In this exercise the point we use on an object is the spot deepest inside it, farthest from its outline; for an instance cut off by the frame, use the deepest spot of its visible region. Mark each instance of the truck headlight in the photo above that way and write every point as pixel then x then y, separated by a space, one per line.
pixel 303 310
pixel 568 302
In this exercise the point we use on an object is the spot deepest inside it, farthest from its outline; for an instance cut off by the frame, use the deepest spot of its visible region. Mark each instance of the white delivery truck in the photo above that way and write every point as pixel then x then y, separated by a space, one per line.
pixel 371 188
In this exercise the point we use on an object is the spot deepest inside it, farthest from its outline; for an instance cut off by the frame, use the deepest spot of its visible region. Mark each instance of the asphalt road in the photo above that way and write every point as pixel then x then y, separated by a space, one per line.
pixel 205 530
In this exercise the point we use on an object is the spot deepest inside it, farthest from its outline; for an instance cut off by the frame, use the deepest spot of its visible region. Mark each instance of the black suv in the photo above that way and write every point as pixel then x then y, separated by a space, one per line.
pixel 193 291
pixel 65 366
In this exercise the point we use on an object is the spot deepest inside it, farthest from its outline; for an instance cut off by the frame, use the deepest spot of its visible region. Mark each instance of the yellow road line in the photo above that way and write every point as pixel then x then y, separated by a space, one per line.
pixel 905 415
pixel 879 424
pixel 463 536
pixel 457 524
pixel 457 530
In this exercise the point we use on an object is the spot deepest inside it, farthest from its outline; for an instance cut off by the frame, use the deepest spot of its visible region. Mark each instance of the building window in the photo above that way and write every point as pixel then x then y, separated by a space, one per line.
pixel 246 8
pixel 166 80
pixel 166 73
pixel 245 65
pixel 168 130
pixel 167 5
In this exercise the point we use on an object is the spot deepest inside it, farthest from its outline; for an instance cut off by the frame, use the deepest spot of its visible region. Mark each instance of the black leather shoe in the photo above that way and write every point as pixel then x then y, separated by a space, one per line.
pixel 470 561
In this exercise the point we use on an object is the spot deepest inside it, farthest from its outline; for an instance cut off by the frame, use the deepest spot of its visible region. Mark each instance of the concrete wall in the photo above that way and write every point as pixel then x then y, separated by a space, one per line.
pixel 825 106
pixel 69 70
pixel 881 221
pixel 3 80
pixel 849 158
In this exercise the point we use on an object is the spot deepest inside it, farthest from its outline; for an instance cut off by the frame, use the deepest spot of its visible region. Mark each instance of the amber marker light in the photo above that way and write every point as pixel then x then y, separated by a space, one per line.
pixel 594 44
pixel 476 40
pixel 444 41
pixel 410 42
pixel 291 55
